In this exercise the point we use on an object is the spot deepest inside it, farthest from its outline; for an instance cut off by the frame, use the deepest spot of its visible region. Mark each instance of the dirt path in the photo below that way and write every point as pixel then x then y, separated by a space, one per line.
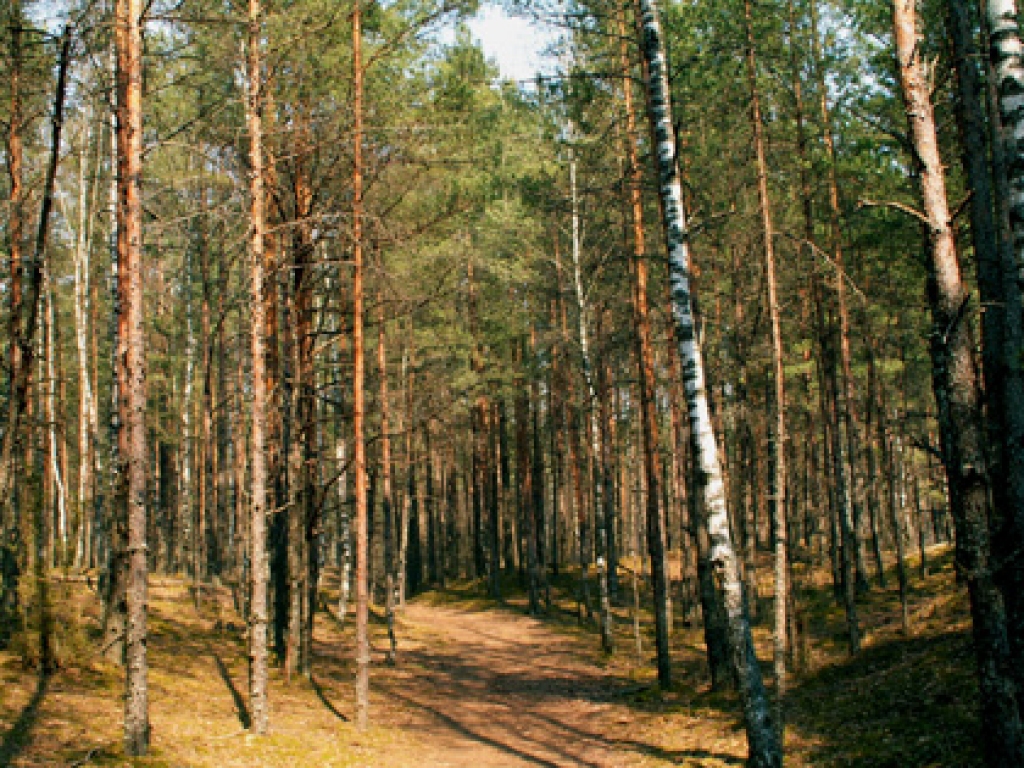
pixel 490 689
pixel 480 687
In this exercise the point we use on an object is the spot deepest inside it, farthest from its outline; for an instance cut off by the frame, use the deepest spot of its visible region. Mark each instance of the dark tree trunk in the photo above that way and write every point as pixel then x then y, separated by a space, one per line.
pixel 1004 375
pixel 956 394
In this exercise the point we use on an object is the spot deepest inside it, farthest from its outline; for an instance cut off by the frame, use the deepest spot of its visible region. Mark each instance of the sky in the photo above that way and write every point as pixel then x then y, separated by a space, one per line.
pixel 514 43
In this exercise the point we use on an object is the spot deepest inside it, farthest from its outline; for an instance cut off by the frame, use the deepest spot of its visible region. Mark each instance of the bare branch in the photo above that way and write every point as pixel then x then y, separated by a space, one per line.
pixel 894 205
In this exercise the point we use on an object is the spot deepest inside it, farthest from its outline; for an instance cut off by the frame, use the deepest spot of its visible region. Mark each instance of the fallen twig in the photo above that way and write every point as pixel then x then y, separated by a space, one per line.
pixel 86 759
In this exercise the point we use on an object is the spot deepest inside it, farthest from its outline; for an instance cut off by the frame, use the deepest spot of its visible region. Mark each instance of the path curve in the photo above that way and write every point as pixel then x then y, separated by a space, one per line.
pixel 496 689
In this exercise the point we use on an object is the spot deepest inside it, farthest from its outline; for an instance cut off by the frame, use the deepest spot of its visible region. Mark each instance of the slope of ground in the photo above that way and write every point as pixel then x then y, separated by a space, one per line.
pixel 482 685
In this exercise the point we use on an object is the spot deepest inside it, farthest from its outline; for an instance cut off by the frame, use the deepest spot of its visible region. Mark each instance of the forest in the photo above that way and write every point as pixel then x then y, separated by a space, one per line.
pixel 362 407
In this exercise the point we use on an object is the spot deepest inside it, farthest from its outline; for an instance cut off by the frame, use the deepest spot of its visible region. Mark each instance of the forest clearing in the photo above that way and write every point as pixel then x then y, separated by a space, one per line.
pixel 362 406
pixel 482 685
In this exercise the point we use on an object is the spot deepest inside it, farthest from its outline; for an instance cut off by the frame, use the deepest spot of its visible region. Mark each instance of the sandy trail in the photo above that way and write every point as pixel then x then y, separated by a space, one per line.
pixel 489 689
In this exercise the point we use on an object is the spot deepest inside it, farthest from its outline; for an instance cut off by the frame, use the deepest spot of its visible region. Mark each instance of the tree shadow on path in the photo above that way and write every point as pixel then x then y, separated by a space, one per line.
pixel 667 755
pixel 465 730
pixel 324 700
pixel 240 708
pixel 17 736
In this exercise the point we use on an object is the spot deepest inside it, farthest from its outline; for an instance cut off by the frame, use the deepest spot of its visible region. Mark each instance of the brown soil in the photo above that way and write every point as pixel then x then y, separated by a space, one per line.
pixel 494 689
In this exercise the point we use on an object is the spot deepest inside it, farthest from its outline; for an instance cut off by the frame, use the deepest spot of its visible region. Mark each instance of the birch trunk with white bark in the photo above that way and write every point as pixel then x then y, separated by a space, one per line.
pixel 765 749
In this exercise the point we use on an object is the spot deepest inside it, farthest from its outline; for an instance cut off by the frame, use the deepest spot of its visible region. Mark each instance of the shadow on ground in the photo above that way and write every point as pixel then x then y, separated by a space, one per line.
pixel 906 701
pixel 17 737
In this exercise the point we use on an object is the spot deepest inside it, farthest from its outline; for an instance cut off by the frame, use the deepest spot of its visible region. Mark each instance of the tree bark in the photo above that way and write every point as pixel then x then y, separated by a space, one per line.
pixel 358 379
pixel 765 749
pixel 133 405
pixel 1005 53
pixel 956 394
pixel 116 524
pixel 778 436
pixel 258 709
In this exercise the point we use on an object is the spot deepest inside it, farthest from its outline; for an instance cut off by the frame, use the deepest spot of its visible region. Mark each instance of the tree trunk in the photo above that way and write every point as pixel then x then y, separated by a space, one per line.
pixel 83 279
pixel 133 405
pixel 886 440
pixel 873 497
pixel 839 390
pixel 200 548
pixel 116 524
pixel 593 425
pixel 293 539
pixel 957 399
pixel 764 746
pixel 387 497
pixel 344 534
pixel 778 436
pixel 525 496
pixel 358 378
pixel 22 346
pixel 258 713
pixel 537 468
pixel 309 508
pixel 1008 383
pixel 410 554
pixel 16 236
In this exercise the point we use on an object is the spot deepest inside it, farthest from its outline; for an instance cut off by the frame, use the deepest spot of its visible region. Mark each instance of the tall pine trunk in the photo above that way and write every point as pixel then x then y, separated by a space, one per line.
pixel 778 435
pixel 16 234
pixel 133 405
pixel 258 710
pixel 955 384
pixel 358 380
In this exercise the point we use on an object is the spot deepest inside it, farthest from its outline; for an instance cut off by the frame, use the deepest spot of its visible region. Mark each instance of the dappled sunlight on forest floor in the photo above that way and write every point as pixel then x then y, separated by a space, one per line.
pixel 482 684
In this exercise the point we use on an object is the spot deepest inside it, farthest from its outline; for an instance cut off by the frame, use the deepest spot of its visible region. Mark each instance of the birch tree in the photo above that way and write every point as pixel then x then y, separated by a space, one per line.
pixel 1006 53
pixel 763 742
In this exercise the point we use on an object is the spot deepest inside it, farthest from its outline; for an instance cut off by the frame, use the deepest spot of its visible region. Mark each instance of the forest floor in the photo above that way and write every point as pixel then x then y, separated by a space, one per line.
pixel 481 684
